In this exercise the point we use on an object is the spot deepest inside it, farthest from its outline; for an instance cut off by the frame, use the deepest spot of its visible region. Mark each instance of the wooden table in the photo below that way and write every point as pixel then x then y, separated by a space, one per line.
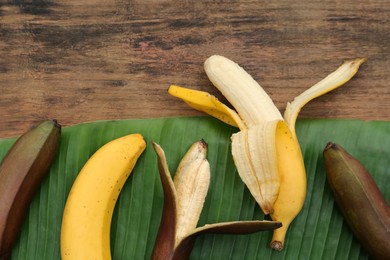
pixel 80 61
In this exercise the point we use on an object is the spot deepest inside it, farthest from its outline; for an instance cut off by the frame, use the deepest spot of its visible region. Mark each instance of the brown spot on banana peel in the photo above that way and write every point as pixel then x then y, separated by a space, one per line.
pixel 359 199
pixel 21 173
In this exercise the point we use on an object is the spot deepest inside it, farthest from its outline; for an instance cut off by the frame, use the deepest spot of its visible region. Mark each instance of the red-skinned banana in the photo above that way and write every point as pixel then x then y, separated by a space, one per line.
pixel 21 173
pixel 359 199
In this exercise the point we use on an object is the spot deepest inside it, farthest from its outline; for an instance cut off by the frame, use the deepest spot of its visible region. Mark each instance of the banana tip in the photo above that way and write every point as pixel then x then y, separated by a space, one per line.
pixel 170 88
pixel 276 245
pixel 55 122
pixel 204 143
pixel 330 145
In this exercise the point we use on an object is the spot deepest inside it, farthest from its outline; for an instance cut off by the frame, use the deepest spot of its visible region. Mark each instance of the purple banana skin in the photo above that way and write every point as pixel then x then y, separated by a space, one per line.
pixel 360 200
pixel 21 172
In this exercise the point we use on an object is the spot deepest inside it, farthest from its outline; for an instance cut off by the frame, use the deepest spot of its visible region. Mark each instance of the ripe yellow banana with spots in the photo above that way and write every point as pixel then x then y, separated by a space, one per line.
pixel 85 232
pixel 265 151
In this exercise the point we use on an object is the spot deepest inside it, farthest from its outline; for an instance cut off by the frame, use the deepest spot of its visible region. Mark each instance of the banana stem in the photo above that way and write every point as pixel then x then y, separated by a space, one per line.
pixel 278 237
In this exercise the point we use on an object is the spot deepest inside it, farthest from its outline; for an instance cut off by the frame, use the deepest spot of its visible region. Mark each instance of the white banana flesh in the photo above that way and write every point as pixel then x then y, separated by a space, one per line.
pixel 191 181
pixel 254 154
pixel 241 90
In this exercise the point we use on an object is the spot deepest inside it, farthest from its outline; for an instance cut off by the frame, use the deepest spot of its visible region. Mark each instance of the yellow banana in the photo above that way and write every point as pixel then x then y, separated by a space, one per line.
pixel 85 232
pixel 266 151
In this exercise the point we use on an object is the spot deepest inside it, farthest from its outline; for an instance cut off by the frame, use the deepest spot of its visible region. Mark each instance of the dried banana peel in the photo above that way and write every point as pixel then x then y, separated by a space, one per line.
pixel 265 151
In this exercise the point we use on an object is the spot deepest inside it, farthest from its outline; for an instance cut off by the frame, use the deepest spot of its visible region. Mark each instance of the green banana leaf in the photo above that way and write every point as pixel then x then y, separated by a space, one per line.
pixel 319 232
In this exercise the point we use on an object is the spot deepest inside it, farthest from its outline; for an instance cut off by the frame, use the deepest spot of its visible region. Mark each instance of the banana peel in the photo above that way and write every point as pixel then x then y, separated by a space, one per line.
pixel 183 202
pixel 266 150
pixel 207 103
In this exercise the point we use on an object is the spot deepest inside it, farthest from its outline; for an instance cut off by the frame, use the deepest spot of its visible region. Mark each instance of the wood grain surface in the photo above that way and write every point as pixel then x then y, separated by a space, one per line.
pixel 80 61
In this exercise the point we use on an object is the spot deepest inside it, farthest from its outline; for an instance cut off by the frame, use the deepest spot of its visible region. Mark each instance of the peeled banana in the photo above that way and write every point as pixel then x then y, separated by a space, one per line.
pixel 265 151
pixel 183 203
pixel 85 232
pixel 359 199
pixel 21 173
pixel 184 197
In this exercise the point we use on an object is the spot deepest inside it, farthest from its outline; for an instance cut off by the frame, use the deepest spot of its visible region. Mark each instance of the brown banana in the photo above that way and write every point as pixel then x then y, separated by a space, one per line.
pixel 359 199
pixel 21 173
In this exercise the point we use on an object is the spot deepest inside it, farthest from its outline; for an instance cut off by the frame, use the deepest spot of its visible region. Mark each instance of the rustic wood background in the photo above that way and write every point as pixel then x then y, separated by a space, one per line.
pixel 80 61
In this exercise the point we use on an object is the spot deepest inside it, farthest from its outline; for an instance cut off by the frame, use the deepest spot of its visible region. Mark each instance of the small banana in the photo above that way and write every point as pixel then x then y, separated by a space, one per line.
pixel 265 151
pixel 85 232
pixel 21 172
pixel 184 197
pixel 359 199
